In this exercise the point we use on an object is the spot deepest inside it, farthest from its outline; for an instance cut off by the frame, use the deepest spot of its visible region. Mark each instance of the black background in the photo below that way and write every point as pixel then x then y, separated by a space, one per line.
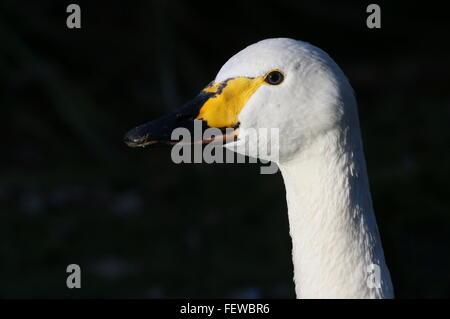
pixel 141 226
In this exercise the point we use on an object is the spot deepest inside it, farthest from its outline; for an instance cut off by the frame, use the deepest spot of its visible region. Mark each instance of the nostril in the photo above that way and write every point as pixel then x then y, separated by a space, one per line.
pixel 180 117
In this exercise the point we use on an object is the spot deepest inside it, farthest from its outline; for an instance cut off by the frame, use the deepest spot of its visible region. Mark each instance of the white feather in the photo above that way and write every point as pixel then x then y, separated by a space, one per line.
pixel 332 224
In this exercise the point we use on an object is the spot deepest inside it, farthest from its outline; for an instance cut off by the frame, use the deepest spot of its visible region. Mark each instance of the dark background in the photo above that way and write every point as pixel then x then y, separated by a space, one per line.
pixel 141 226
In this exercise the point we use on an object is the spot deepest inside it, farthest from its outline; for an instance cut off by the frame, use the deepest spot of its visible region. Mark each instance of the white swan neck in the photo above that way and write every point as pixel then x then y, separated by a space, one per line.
pixel 334 233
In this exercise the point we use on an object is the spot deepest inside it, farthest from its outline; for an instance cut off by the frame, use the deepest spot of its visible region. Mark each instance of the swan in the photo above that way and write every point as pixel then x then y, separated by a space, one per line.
pixel 298 89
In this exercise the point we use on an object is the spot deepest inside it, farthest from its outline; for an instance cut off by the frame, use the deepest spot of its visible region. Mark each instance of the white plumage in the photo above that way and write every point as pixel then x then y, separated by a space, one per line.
pixel 297 89
pixel 332 224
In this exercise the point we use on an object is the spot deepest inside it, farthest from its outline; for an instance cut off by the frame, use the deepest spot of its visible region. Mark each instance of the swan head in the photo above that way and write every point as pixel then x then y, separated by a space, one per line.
pixel 277 85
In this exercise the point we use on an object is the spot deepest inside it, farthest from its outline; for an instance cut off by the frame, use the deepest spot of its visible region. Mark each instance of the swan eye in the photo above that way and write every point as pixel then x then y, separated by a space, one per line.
pixel 274 77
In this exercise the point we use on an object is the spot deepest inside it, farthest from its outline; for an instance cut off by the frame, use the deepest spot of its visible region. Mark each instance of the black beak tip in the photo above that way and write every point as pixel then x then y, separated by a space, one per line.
pixel 134 139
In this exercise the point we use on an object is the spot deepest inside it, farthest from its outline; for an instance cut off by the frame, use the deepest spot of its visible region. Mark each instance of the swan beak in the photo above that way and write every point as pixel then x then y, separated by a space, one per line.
pixel 158 132
pixel 217 106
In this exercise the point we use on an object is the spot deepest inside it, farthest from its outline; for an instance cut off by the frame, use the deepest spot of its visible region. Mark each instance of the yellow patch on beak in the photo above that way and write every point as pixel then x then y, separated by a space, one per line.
pixel 223 108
